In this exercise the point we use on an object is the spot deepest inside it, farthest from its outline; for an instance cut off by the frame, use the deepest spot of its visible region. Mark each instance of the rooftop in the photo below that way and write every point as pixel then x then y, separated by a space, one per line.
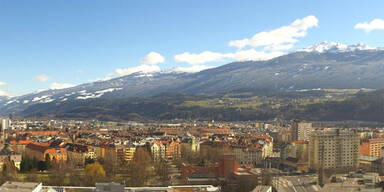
pixel 11 186
pixel 262 188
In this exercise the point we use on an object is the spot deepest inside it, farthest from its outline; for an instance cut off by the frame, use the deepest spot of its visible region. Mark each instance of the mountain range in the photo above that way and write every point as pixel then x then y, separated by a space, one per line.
pixel 326 65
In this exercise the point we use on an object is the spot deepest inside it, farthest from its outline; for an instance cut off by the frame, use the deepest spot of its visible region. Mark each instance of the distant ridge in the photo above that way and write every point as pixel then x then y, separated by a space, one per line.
pixel 326 65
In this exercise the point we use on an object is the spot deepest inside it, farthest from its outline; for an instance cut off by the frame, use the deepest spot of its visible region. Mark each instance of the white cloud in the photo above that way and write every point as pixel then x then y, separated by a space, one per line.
pixel 3 93
pixel 269 44
pixel 192 69
pixel 153 58
pixel 141 68
pixel 280 38
pixel 2 83
pixel 376 24
pixel 279 47
pixel 60 85
pixel 204 57
pixel 253 55
pixel 42 78
pixel 241 55
pixel 149 64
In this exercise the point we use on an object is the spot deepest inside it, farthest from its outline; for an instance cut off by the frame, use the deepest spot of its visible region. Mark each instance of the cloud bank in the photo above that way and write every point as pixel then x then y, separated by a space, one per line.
pixel 60 85
pixel 281 38
pixel 264 45
pixel 149 64
pixel 375 24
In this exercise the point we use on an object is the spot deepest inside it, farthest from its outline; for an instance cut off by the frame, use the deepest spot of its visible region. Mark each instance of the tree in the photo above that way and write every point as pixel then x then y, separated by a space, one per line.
pixel 59 171
pixel 140 168
pixel 41 165
pixel 89 161
pixel 187 155
pixel 94 173
pixel 110 164
pixel 47 161
pixel 28 164
pixel 246 184
pixel 9 170
pixel 161 169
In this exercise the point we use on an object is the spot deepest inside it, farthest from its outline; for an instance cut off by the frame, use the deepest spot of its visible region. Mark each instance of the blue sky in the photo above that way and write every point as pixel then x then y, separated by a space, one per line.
pixel 57 43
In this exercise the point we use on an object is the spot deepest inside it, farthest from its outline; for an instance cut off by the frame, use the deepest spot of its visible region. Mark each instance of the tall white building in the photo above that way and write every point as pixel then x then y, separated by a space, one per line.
pixel 300 130
pixel 5 123
pixel 333 149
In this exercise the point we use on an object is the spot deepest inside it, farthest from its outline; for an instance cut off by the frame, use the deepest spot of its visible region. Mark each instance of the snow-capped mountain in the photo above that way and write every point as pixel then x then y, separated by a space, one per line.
pixel 326 65
pixel 338 47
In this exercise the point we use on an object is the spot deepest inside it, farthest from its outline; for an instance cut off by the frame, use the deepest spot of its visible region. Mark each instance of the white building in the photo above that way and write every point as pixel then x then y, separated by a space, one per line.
pixel 332 149
pixel 300 130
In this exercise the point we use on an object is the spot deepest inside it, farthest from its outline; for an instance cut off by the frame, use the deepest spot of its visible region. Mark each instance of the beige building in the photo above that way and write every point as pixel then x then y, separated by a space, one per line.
pixel 333 149
pixel 120 155
pixel 300 130
pixel 125 154
pixel 247 156
pixel 372 147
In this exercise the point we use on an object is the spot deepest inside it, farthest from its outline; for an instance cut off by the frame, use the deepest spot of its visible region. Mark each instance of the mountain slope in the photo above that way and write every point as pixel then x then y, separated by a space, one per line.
pixel 327 65
pixel 367 106
pixel 363 107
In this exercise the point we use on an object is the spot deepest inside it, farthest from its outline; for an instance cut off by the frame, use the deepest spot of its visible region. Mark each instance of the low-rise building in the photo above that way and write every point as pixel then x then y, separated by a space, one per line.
pixel 120 154
pixel 248 155
pixel 10 156
pixel 40 152
pixel 157 150
pixel 262 188
pixel 76 154
pixel 372 147
pixel 12 186
pixel 165 149
pixel 353 182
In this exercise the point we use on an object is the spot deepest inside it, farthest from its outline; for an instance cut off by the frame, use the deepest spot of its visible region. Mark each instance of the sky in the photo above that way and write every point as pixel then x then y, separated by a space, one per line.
pixel 53 44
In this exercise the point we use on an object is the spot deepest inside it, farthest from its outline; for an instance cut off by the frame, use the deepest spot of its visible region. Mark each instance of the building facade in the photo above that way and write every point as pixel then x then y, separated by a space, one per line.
pixel 40 152
pixel 300 130
pixel 333 149
pixel 372 147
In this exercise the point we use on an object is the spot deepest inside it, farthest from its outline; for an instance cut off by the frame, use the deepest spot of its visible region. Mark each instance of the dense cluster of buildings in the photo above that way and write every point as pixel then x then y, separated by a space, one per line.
pixel 249 148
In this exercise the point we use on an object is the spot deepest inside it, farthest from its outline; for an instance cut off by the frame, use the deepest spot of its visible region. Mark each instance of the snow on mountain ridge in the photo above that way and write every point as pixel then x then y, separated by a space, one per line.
pixel 338 47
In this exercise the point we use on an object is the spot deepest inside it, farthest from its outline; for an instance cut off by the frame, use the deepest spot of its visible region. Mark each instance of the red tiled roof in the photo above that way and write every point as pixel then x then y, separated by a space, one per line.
pixel 40 133
pixel 376 140
pixel 21 142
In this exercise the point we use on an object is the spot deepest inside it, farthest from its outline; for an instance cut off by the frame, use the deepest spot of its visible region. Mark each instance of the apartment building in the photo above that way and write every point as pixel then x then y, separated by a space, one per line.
pixel 300 130
pixel 372 147
pixel 167 149
pixel 333 149
pixel 41 151
pixel 120 154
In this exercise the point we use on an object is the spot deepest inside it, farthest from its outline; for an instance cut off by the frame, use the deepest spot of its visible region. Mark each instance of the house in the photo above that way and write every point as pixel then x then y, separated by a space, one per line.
pixel 76 154
pixel 166 149
pixel 11 157
pixel 172 150
pixel 41 151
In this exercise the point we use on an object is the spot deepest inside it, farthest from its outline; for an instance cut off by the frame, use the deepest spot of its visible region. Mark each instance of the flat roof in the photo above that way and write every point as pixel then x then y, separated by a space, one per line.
pixel 12 186
pixel 262 188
